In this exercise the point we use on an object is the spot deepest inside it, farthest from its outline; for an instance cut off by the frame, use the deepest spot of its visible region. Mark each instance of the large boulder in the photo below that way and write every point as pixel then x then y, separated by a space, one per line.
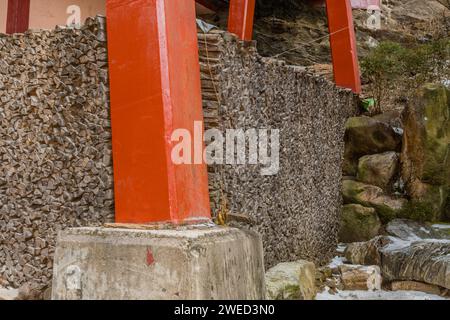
pixel 358 223
pixel 410 230
pixel 357 277
pixel 392 118
pixel 415 286
pixel 364 136
pixel 379 169
pixel 423 261
pixel 291 281
pixel 426 147
pixel 366 253
pixel 443 229
pixel 387 207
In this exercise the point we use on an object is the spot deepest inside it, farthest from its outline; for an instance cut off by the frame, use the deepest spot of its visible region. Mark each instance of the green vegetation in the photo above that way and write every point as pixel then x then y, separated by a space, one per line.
pixel 422 211
pixel 392 65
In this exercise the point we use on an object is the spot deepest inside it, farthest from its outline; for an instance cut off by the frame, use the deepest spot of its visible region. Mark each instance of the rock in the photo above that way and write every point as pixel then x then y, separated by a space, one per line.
pixel 415 286
pixel 47 295
pixel 426 145
pixel 393 118
pixel 358 192
pixel 378 169
pixel 349 165
pixel 423 261
pixel 410 230
pixel 366 195
pixel 443 229
pixel 364 136
pixel 8 294
pixel 429 204
pixel 291 281
pixel 366 253
pixel 356 277
pixel 389 206
pixel 323 274
pixel 358 223
pixel 29 292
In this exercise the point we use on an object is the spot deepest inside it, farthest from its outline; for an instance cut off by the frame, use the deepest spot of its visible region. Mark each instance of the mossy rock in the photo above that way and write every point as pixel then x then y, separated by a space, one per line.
pixel 291 281
pixel 358 223
pixel 444 232
pixel 365 135
pixel 426 152
pixel 387 207
pixel 446 211
pixel 379 169
pixel 426 144
pixel 429 207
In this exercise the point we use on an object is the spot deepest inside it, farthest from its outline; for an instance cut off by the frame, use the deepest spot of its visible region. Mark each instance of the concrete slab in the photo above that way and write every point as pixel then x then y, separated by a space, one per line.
pixel 195 263
pixel 8 294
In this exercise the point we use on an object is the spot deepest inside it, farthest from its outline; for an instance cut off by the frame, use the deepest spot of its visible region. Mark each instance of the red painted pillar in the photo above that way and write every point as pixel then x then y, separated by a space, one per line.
pixel 343 44
pixel 155 89
pixel 18 16
pixel 240 19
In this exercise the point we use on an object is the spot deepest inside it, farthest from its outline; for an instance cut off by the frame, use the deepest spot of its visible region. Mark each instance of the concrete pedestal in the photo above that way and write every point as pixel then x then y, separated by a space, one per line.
pixel 195 263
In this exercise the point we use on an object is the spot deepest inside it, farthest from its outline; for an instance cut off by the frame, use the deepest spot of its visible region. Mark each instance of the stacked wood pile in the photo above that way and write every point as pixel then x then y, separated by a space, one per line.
pixel 55 144
pixel 297 210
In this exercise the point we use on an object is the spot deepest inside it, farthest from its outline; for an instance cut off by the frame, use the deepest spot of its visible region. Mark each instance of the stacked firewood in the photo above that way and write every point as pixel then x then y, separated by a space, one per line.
pixel 297 209
pixel 55 144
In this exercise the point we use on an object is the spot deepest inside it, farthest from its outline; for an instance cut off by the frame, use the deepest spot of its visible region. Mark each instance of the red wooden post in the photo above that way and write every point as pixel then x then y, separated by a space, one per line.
pixel 343 44
pixel 18 16
pixel 240 19
pixel 155 89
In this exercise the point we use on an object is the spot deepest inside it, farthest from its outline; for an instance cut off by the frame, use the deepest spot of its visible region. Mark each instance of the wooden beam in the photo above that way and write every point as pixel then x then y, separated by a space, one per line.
pixel 240 20
pixel 343 45
pixel 155 90
pixel 18 16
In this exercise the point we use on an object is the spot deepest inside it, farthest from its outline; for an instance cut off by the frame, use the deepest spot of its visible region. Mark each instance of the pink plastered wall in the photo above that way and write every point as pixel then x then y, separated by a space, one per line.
pixel 46 14
pixel 364 4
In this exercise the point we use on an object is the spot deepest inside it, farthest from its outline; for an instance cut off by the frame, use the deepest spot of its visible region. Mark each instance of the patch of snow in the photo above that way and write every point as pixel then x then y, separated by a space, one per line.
pixel 398 130
pixel 8 294
pixel 341 248
pixel 441 226
pixel 398 244
pixel 336 262
pixel 377 295
pixel 374 281
pixel 425 230
pixel 446 82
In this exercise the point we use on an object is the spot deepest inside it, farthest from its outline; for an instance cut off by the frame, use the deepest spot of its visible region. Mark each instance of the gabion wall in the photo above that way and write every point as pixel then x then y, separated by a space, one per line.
pixel 297 210
pixel 55 144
